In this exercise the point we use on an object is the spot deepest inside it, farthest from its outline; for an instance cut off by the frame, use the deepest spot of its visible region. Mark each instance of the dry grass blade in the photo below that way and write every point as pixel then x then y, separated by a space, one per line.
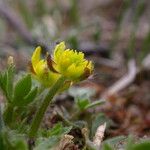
pixel 124 81
pixel 99 135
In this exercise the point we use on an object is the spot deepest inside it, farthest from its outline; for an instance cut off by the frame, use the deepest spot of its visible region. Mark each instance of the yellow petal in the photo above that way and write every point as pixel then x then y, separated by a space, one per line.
pixel 70 71
pixel 58 50
pixel 41 68
pixel 36 56
pixel 74 72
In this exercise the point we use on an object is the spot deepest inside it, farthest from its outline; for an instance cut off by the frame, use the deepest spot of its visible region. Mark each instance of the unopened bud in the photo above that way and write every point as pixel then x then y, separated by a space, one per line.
pixel 10 60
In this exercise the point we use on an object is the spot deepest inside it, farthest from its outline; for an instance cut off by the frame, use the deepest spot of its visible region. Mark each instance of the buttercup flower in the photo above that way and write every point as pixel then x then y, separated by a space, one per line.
pixel 64 62
pixel 71 63
pixel 40 69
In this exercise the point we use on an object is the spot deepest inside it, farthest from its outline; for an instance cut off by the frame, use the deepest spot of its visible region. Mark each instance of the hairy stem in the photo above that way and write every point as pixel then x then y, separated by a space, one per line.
pixel 42 109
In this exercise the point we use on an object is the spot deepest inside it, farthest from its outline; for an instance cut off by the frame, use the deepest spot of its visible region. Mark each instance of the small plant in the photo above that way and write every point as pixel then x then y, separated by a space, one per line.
pixel 66 67
pixel 55 74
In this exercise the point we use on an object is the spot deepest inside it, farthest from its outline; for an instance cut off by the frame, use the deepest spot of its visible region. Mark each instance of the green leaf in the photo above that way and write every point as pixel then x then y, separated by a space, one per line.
pixel 81 92
pixel 3 81
pixel 6 82
pixel 13 141
pixel 10 78
pixel 82 97
pixel 54 136
pixel 28 98
pixel 93 104
pixel 47 144
pixel 59 130
pixel 97 121
pixel 8 113
pixel 106 146
pixel 130 142
pixel 22 88
pixel 20 145
pixel 144 145
pixel 115 140
pixel 82 103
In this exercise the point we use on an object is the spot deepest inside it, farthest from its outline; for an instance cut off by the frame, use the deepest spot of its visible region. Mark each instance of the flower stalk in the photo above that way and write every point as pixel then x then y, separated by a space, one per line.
pixel 41 111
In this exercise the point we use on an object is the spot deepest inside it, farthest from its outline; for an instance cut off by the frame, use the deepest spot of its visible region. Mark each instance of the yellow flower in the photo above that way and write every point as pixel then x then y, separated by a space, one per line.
pixel 65 62
pixel 71 63
pixel 40 69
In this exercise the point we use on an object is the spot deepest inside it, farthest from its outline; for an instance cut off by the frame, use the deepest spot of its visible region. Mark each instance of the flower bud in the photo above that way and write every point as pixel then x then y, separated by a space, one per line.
pixel 10 61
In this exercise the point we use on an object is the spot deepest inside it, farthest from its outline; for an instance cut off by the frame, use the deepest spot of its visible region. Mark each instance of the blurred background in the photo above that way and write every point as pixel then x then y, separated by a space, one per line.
pixel 115 34
pixel 118 29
